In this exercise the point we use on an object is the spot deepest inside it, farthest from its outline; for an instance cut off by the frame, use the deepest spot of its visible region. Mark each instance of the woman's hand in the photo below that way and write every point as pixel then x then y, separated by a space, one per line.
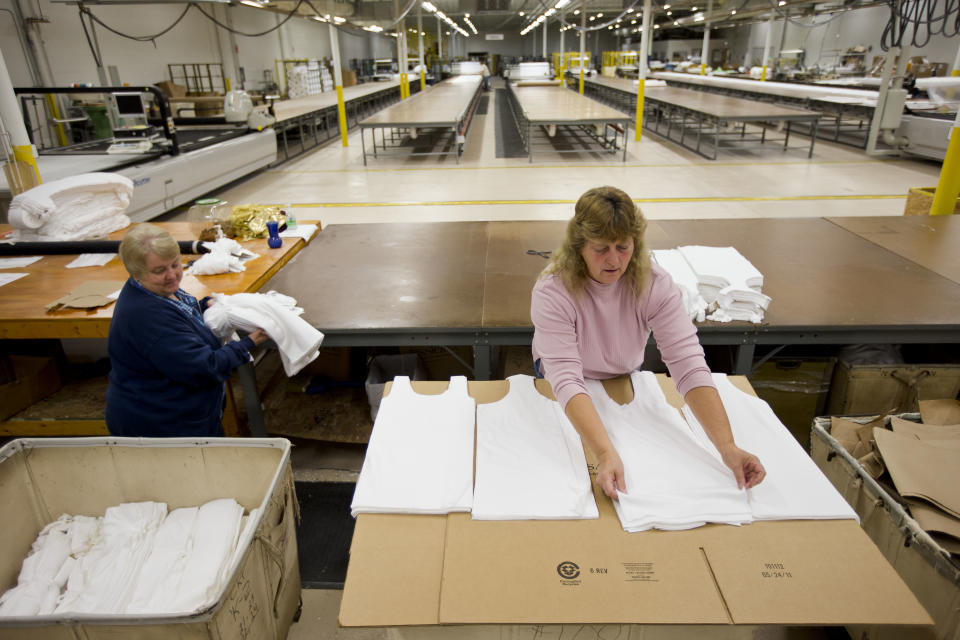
pixel 746 467
pixel 610 475
pixel 259 336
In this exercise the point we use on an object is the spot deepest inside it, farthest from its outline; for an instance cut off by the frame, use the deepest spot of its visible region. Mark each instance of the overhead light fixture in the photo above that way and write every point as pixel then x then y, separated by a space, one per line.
pixel 630 10
pixel 592 18
pixel 429 6
pixel 656 26
pixel 576 12
pixel 339 20
pixel 521 13
pixel 561 4
pixel 374 28
pixel 466 15
pixel 252 3
pixel 550 12
pixel 666 6
pixel 470 24
pixel 733 12
pixel 693 9
pixel 633 22
pixel 669 13
pixel 782 3
pixel 423 33
pixel 676 23
pixel 599 15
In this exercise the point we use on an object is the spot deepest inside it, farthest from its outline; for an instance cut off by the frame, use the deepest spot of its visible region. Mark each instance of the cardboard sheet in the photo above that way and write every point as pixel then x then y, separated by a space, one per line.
pixel 933 520
pixel 429 570
pixel 89 295
pixel 922 470
pixel 925 431
pixel 940 411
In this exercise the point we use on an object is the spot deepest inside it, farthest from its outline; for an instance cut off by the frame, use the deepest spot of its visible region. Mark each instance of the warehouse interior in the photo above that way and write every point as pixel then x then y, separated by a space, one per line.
pixel 836 197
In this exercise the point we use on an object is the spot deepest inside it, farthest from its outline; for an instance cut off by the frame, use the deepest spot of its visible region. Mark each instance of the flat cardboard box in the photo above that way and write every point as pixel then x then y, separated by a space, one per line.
pixel 43 478
pixel 430 570
pixel 917 558
pixel 863 389
pixel 33 380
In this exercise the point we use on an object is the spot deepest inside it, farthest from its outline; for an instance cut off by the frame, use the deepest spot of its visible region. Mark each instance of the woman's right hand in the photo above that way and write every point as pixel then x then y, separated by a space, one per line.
pixel 610 475
pixel 259 336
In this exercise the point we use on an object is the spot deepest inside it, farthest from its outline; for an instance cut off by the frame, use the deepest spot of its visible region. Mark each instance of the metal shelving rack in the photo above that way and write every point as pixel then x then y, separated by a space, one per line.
pixel 199 77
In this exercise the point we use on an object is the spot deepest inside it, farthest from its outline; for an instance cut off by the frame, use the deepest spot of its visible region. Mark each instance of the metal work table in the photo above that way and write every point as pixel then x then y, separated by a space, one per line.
pixel 303 123
pixel 566 122
pixel 434 121
pixel 847 113
pixel 469 284
pixel 695 115
pixel 929 241
pixel 23 313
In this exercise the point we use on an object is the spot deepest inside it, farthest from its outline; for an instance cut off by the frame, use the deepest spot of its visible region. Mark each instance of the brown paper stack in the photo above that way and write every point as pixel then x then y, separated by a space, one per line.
pixel 922 459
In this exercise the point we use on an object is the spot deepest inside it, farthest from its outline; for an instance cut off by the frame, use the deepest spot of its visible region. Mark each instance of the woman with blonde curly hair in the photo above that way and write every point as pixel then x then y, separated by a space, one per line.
pixel 593 309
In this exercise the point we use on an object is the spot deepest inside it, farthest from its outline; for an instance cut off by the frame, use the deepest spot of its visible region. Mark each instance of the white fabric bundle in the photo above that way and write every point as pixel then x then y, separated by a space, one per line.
pixel 728 282
pixel 104 578
pixel 672 481
pixel 85 206
pixel 136 559
pixel 420 456
pixel 679 269
pixel 211 264
pixel 794 487
pixel 226 256
pixel 275 313
pixel 530 461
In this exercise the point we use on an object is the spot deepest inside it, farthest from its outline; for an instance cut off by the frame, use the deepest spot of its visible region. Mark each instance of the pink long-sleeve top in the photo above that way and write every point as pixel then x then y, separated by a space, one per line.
pixel 603 332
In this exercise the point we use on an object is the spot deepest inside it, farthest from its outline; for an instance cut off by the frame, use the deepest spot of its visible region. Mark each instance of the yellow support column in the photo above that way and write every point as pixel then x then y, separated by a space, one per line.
pixel 948 188
pixel 338 83
pixel 55 112
pixel 639 122
pixel 583 44
pixel 21 170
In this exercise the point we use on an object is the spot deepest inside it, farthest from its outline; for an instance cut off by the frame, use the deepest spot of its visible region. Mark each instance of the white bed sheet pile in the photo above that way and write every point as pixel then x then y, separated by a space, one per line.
pixel 136 559
pixel 84 206
pixel 420 455
pixel 530 460
pixel 672 481
pixel 728 282
pixel 794 487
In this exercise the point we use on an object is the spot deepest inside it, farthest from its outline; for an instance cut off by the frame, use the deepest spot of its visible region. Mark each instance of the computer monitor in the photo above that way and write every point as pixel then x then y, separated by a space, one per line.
pixel 130 105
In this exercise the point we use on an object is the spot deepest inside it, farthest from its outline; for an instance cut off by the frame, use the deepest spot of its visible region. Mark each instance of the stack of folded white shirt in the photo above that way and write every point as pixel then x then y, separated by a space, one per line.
pixel 679 269
pixel 137 558
pixel 672 481
pixel 85 206
pixel 420 456
pixel 728 282
pixel 794 487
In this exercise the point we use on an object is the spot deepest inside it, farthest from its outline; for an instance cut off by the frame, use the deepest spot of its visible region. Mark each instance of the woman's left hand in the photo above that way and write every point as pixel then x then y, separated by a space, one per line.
pixel 746 467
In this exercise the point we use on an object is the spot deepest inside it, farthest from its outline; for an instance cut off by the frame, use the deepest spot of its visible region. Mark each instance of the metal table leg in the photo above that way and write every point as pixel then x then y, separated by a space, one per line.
pixel 251 400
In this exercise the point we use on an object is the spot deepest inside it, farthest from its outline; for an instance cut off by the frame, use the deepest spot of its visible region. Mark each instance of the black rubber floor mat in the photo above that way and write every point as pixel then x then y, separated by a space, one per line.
pixel 509 142
pixel 324 533
pixel 482 105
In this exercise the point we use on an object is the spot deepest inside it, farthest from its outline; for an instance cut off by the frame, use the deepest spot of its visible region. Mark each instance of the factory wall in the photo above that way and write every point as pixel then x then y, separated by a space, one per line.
pixel 824 43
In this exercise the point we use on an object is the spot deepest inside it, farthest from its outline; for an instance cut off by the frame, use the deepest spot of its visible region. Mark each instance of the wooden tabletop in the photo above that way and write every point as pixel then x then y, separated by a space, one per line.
pixel 725 107
pixel 389 276
pixel 287 109
pixel 553 105
pixel 930 241
pixel 511 272
pixel 820 275
pixel 442 104
pixel 23 302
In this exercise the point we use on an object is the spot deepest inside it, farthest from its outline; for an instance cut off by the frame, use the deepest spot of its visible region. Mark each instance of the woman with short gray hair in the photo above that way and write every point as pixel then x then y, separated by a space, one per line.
pixel 168 369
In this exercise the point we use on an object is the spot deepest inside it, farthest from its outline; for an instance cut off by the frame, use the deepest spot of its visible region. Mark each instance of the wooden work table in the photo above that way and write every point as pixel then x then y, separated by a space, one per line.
pixel 23 312
pixel 23 315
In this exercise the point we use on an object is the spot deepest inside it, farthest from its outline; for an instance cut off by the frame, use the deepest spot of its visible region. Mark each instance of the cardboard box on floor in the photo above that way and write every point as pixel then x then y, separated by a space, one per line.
pixel 43 478
pixel 430 570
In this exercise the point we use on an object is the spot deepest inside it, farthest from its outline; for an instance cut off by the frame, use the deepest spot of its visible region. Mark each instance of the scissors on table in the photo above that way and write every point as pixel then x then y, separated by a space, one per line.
pixel 542 254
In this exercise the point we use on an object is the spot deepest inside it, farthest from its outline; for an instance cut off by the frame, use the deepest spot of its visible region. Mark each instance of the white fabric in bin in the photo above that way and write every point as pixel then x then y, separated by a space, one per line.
pixel 420 455
pixel 672 481
pixel 530 460
pixel 794 488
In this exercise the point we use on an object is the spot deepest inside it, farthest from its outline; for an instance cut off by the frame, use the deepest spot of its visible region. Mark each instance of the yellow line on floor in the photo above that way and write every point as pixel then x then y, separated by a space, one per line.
pixel 605 167
pixel 448 203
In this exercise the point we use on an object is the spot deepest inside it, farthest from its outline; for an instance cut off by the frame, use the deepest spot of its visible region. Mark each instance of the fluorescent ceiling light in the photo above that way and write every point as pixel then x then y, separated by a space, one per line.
pixel 252 3
pixel 429 6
